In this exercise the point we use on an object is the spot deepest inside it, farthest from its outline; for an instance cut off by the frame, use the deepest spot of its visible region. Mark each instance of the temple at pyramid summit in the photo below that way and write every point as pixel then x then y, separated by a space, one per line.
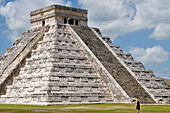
pixel 61 60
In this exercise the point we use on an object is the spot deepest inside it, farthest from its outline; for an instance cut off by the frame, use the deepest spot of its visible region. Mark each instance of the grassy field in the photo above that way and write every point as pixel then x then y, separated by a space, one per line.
pixel 96 108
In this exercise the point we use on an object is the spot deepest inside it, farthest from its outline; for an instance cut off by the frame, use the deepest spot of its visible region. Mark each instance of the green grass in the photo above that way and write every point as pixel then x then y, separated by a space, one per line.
pixel 95 108
pixel 167 81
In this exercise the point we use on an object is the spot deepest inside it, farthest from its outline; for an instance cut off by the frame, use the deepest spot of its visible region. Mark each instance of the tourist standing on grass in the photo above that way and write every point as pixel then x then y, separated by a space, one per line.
pixel 137 105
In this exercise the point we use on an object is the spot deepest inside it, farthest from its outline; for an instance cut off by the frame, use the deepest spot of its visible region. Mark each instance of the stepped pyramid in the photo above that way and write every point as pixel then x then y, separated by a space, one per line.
pixel 61 60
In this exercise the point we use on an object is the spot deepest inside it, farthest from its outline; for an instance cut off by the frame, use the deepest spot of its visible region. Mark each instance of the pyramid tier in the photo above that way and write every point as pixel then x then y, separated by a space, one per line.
pixel 57 72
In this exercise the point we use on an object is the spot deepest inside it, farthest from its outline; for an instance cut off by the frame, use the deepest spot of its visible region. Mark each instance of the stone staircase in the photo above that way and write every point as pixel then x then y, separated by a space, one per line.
pixel 154 85
pixel 57 72
pixel 119 72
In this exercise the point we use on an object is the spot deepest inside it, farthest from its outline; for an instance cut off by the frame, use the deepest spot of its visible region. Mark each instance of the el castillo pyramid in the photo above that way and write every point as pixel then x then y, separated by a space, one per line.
pixel 61 60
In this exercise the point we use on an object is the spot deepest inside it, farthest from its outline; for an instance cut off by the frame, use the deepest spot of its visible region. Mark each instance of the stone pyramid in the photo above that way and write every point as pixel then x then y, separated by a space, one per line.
pixel 61 60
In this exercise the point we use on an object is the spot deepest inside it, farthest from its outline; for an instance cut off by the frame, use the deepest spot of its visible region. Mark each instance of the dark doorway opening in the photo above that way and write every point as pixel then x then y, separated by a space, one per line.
pixel 65 20
pixel 77 22
pixel 71 21
pixel 43 23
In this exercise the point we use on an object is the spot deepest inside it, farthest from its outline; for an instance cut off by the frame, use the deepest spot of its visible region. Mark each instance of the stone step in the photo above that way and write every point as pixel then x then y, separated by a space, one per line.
pixel 82 84
pixel 57 74
pixel 144 73
pixel 160 90
pixel 56 66
pixel 59 89
pixel 57 41
pixel 58 56
pixel 31 62
pixel 73 94
pixel 70 69
pixel 153 84
pixel 62 95
pixel 75 75
pixel 134 65
pixel 151 79
pixel 125 57
pixel 56 49
pixel 63 52
pixel 116 48
pixel 107 39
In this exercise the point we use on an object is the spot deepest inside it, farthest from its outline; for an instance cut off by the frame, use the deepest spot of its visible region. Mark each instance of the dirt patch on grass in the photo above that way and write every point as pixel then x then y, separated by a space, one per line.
pixel 5 112
pixel 40 110
pixel 100 108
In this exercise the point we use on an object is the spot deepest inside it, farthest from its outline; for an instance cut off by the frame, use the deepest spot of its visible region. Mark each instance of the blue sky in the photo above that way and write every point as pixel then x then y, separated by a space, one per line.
pixel 141 27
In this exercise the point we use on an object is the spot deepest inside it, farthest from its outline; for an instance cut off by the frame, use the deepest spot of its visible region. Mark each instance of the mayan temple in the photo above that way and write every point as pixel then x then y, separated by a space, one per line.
pixel 61 60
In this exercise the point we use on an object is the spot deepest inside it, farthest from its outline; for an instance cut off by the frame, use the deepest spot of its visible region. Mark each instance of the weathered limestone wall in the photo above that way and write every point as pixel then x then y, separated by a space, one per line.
pixel 14 57
pixel 56 14
pixel 113 66
pixel 48 21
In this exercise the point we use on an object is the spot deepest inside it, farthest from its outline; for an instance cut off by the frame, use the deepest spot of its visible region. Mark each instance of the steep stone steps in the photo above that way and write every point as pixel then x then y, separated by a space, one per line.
pixel 155 86
pixel 111 63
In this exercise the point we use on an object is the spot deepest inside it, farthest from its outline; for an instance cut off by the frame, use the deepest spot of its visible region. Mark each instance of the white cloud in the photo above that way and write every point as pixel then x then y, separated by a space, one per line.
pixel 118 17
pixel 150 56
pixel 113 17
pixel 17 14
pixel 14 35
pixel 161 32
pixel 69 3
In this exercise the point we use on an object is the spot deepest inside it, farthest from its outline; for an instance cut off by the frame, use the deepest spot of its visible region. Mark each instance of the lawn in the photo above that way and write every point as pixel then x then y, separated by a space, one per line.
pixel 96 108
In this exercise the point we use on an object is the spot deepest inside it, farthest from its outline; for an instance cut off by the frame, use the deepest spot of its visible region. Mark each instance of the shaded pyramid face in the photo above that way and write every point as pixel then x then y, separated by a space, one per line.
pixel 57 63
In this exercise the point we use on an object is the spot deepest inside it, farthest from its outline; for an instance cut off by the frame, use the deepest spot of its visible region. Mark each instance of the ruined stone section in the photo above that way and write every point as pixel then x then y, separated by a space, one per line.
pixel 14 58
pixel 155 86
pixel 111 63
pixel 57 72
